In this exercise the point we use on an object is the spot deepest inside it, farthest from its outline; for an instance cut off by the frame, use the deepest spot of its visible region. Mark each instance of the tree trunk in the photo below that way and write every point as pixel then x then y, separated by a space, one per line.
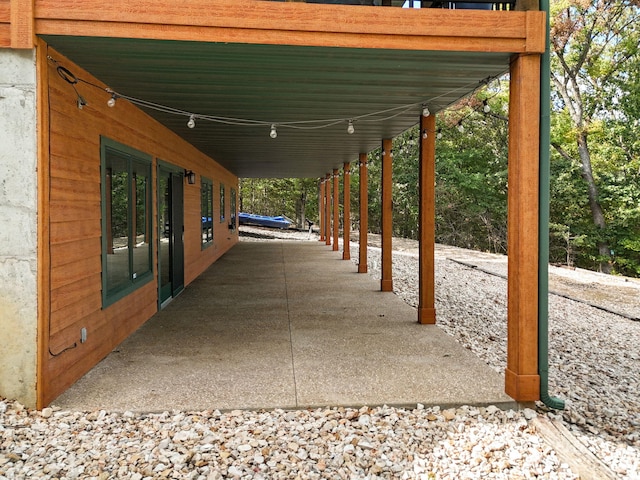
pixel 596 210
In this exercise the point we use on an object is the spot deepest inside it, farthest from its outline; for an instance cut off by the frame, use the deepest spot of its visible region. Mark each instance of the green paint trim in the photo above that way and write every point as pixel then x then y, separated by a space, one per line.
pixel 543 223
pixel 133 156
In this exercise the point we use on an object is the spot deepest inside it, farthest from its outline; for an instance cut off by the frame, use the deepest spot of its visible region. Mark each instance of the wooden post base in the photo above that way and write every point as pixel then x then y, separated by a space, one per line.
pixel 426 316
pixel 386 285
pixel 522 388
pixel 362 268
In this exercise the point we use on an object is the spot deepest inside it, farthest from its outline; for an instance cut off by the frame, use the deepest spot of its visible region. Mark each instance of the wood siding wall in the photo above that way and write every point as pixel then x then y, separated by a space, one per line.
pixel 74 223
pixel 5 23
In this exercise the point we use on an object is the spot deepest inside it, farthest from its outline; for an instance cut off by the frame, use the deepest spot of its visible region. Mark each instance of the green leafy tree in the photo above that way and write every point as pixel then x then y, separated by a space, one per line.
pixel 592 41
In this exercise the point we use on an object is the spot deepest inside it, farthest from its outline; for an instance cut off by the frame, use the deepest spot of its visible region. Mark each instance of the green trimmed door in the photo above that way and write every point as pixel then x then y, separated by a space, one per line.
pixel 171 233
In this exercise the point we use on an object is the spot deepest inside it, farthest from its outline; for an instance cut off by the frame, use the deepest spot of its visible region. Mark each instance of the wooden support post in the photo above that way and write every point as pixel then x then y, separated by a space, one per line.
pixel 336 211
pixel 522 381
pixel 327 210
pixel 386 282
pixel 346 208
pixel 321 195
pixel 427 225
pixel 364 214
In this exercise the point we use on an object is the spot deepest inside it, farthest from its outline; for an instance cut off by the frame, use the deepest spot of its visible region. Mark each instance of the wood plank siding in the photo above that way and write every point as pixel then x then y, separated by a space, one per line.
pixel 5 23
pixel 70 187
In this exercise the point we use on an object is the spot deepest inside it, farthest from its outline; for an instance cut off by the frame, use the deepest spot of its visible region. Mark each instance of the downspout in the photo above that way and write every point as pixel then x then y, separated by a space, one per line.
pixel 543 222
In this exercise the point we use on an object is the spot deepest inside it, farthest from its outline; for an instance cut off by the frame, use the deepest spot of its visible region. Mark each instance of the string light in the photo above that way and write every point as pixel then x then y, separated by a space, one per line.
pixel 439 134
pixel 460 127
pixel 379 116
pixel 425 134
pixel 350 128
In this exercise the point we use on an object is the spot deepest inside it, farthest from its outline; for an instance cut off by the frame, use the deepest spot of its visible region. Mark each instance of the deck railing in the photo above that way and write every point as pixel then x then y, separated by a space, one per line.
pixel 454 4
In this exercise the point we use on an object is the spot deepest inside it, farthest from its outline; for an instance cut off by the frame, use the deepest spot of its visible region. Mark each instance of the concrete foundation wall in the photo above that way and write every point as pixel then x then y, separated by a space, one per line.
pixel 18 226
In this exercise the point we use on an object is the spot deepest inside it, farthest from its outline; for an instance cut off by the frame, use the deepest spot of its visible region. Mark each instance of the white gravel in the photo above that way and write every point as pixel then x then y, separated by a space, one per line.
pixel 333 443
pixel 594 358
pixel 594 366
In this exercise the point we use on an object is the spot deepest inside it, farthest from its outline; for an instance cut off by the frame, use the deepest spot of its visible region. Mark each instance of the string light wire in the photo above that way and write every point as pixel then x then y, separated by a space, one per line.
pixel 316 124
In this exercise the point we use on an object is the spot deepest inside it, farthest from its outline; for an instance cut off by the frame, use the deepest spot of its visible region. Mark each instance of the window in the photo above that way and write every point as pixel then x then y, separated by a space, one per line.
pixel 126 220
pixel 232 208
pixel 206 211
pixel 222 205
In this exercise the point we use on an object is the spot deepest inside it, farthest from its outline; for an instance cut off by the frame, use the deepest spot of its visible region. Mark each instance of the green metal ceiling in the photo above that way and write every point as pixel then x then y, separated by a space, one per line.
pixel 280 84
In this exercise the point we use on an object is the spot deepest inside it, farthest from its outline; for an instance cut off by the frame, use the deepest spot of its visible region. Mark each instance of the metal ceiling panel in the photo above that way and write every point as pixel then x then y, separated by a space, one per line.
pixel 381 89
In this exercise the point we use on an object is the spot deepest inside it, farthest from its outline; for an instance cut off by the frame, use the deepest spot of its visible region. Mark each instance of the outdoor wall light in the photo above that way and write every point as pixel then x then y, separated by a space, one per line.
pixel 190 176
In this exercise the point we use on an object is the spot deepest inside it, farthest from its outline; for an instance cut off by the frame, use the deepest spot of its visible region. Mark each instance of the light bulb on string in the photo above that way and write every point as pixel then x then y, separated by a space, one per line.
pixel 412 142
pixel 439 134
pixel 350 128
pixel 192 122
pixel 460 127
pixel 273 133
pixel 486 108
pixel 425 111
pixel 425 134
pixel 112 101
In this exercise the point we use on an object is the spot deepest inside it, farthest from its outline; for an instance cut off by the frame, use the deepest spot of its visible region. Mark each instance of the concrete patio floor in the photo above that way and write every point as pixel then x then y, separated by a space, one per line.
pixel 285 325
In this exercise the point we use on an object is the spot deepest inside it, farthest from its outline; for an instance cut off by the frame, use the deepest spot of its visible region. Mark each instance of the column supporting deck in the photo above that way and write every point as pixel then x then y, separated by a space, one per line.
pixel 427 225
pixel 522 381
pixel 327 210
pixel 346 215
pixel 364 213
pixel 321 195
pixel 336 211
pixel 386 282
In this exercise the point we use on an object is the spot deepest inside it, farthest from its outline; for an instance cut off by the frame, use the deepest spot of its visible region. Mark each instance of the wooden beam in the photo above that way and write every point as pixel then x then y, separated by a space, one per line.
pixel 327 209
pixel 288 23
pixel 22 24
pixel 321 194
pixel 336 211
pixel 522 381
pixel 386 282
pixel 364 214
pixel 427 225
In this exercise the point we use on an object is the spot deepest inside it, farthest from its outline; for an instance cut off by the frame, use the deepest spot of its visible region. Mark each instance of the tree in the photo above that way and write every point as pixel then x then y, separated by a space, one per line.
pixel 591 42
pixel 296 198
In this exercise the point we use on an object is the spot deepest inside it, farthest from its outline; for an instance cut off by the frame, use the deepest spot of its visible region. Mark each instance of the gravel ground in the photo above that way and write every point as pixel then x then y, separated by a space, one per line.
pixel 595 366
pixel 594 355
